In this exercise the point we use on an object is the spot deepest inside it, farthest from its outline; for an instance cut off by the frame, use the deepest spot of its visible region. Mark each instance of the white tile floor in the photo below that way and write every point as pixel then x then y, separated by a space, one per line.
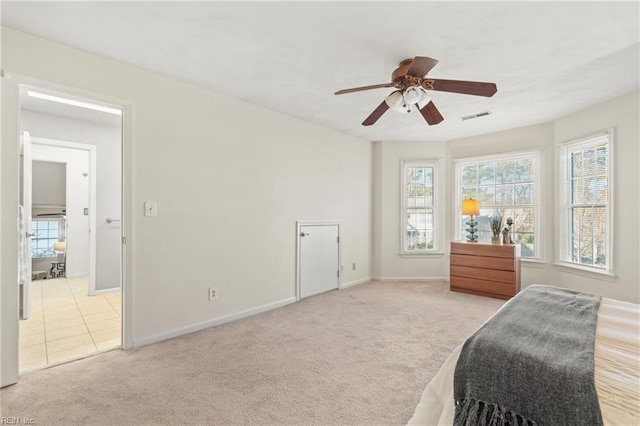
pixel 66 324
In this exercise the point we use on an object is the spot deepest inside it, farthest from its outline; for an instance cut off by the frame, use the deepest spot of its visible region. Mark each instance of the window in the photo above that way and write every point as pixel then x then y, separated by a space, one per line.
pixel 509 183
pixel 418 217
pixel 46 233
pixel 586 203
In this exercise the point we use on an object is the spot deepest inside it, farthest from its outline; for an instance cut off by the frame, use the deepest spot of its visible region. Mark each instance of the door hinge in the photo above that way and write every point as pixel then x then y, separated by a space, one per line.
pixel 338 274
pixel 338 239
pixel 124 240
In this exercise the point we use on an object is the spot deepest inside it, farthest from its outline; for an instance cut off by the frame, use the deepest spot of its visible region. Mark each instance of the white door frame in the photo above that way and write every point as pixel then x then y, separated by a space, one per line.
pixel 91 149
pixel 299 225
pixel 13 82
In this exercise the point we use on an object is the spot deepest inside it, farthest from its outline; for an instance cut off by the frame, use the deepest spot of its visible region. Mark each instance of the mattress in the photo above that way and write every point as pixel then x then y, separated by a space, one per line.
pixel 617 371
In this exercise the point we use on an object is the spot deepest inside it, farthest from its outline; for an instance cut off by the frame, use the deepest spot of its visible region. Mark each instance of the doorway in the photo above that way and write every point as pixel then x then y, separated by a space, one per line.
pixel 318 258
pixel 74 307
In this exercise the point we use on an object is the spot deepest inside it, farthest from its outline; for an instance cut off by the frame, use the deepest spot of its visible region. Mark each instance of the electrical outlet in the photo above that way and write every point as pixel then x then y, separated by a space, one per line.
pixel 353 266
pixel 213 293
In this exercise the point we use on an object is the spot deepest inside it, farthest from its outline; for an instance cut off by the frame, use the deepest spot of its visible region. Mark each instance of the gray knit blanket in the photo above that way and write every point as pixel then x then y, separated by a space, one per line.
pixel 532 363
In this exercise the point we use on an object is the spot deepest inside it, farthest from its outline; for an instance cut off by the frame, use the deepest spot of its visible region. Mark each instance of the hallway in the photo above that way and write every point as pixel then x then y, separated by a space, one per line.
pixel 66 324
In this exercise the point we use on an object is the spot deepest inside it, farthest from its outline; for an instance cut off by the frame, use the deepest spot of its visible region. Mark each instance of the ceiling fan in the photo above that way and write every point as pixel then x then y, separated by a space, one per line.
pixel 410 78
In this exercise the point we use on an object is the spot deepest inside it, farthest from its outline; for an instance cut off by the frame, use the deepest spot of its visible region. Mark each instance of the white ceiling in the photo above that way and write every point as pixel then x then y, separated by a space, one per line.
pixel 548 59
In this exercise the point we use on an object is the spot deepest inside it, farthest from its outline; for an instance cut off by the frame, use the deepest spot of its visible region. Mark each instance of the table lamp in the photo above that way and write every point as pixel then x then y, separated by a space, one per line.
pixel 471 208
pixel 60 247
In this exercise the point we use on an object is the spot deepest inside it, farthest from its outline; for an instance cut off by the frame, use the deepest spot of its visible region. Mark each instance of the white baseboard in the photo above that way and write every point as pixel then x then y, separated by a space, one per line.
pixel 77 275
pixel 211 323
pixel 425 279
pixel 107 290
pixel 356 282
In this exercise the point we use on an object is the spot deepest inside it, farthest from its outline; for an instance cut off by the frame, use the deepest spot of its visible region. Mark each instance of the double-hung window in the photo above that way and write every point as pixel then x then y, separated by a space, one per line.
pixel 508 183
pixel 586 207
pixel 419 210
pixel 46 234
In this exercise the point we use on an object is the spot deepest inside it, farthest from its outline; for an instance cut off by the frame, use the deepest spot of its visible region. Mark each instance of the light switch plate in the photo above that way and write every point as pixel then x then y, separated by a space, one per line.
pixel 150 208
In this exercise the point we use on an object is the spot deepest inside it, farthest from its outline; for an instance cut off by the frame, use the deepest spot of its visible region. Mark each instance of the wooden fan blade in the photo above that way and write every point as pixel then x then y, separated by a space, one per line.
pixel 431 114
pixel 376 114
pixel 458 86
pixel 421 65
pixel 359 89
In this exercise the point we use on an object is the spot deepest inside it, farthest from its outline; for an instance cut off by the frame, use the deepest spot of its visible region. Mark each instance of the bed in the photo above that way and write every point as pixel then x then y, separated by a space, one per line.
pixel 615 366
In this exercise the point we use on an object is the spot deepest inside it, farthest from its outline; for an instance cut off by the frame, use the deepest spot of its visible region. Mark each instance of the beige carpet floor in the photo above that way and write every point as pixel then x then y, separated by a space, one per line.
pixel 358 356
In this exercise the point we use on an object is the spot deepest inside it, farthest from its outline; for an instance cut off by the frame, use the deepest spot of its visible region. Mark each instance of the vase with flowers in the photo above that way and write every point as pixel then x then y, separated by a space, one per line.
pixel 495 221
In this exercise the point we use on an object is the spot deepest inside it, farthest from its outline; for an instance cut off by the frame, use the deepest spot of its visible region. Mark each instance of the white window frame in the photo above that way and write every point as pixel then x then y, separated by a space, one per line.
pixel 536 156
pixel 437 225
pixel 58 238
pixel 563 253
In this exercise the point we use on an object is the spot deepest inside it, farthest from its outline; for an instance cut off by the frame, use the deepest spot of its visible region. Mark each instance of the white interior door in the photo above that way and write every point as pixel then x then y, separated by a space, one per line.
pixel 319 257
pixel 25 237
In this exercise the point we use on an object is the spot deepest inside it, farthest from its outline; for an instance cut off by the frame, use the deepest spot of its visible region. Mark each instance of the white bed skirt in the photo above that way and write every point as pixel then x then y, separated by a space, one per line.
pixel 617 371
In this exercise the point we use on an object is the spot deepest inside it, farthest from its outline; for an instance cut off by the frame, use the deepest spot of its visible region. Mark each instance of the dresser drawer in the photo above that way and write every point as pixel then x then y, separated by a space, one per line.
pixel 480 249
pixel 484 287
pixel 483 274
pixel 502 263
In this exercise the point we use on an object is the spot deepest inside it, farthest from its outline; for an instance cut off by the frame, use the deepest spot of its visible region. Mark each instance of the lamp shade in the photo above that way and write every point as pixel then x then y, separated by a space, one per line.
pixel 60 246
pixel 470 207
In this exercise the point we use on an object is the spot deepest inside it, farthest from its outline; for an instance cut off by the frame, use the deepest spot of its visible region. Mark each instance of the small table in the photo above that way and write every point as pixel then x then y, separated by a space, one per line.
pixel 57 269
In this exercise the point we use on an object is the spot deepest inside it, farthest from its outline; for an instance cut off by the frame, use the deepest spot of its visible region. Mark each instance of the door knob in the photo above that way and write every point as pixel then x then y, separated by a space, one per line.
pixel 29 235
pixel 302 234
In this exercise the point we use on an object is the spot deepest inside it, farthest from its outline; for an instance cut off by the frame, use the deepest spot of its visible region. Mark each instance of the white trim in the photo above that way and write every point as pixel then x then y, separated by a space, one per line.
pixel 211 323
pixel 422 254
pixel 563 199
pixel 126 225
pixel 92 149
pixel 73 102
pixel 107 291
pixel 301 223
pixel 585 271
pixel 538 203
pixel 127 277
pixel 356 282
pixel 435 164
pixel 425 279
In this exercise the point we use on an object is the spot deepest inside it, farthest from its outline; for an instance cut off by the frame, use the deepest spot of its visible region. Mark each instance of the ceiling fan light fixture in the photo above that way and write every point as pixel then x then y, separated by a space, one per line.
pixel 413 95
pixel 396 102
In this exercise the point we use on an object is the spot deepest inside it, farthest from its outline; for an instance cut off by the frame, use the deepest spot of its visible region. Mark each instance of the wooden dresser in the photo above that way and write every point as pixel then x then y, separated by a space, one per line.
pixel 485 269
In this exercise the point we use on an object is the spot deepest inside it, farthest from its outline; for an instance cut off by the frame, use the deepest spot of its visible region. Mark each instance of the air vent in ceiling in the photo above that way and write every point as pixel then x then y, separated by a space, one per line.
pixel 480 114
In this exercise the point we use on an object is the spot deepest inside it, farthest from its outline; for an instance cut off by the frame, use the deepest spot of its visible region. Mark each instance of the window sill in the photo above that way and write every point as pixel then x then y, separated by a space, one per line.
pixel 422 254
pixel 585 271
pixel 530 262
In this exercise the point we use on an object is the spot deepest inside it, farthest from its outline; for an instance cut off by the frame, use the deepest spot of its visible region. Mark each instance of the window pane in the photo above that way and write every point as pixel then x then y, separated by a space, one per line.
pixel 524 193
pixel 601 194
pixel 469 175
pixel 504 195
pixel 470 192
pixel 505 172
pixel 486 174
pixel 486 195
pixel 419 203
pixel 600 252
pixel 599 222
pixel 524 170
pixel 588 210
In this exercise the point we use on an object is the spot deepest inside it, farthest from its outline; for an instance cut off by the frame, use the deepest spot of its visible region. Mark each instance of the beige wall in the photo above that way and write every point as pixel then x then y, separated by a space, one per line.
pixel 389 263
pixel 230 180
